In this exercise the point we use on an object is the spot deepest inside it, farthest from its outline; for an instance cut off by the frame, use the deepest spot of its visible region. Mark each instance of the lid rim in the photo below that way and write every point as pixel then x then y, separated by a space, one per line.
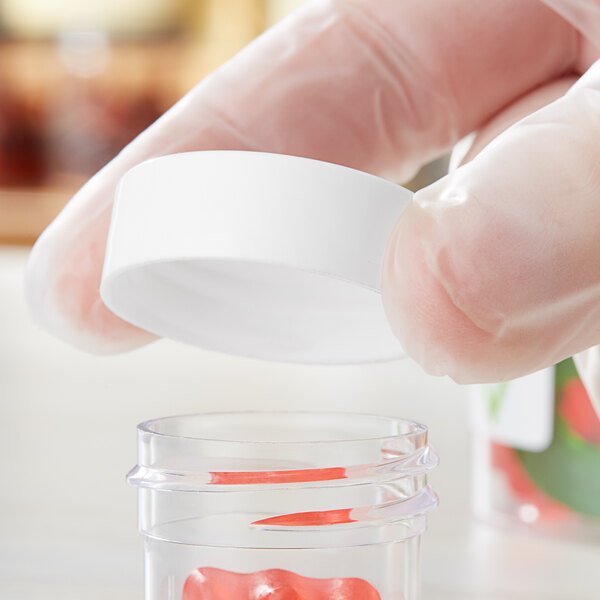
pixel 255 254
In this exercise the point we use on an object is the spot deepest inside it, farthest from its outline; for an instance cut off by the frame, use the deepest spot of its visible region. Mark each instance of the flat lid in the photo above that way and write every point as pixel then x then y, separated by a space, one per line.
pixel 255 254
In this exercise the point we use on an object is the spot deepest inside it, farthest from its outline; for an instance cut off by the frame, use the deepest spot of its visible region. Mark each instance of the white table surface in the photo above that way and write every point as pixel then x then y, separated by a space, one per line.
pixel 68 521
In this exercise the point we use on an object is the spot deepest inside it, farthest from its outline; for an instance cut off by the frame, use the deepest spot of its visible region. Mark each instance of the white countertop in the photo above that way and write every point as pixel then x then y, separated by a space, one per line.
pixel 68 520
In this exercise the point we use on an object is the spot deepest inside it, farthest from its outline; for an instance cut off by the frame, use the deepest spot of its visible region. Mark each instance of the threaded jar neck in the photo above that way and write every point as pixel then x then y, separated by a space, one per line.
pixel 284 472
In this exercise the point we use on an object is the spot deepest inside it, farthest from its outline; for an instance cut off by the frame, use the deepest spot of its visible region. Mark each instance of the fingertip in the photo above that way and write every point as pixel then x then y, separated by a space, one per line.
pixel 61 290
pixel 422 315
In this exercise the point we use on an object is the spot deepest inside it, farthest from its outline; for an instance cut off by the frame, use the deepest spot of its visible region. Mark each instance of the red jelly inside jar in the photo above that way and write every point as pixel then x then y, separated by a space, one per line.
pixel 274 584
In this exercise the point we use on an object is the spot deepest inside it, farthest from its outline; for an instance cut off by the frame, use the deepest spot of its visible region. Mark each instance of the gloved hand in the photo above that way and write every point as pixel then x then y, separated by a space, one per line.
pixel 491 272
pixel 494 271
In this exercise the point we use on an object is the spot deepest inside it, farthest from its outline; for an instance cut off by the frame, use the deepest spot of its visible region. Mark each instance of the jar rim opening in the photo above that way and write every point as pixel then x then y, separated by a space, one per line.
pixel 405 428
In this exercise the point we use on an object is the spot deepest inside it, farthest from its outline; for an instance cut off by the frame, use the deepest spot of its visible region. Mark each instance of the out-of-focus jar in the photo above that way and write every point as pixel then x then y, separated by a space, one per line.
pixel 283 505
pixel 536 453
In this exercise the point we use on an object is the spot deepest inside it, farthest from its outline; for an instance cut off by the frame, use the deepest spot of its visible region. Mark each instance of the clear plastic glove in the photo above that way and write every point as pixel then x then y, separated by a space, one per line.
pixel 384 87
pixel 503 254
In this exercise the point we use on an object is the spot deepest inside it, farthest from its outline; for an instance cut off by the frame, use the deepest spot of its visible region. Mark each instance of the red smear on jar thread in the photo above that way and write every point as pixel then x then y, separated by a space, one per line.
pixel 295 476
pixel 209 583
pixel 310 519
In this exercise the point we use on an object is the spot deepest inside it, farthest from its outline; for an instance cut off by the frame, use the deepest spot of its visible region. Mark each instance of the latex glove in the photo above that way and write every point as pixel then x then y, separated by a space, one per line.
pixel 585 15
pixel 588 361
pixel 380 86
pixel 503 255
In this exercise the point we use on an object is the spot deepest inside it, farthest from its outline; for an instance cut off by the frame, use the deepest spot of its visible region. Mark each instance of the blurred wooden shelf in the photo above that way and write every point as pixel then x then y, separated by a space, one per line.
pixel 25 213
pixel 77 105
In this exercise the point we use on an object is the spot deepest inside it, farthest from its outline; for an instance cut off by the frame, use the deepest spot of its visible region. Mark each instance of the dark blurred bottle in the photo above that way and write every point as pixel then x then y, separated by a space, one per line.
pixel 22 144
pixel 78 80
pixel 95 112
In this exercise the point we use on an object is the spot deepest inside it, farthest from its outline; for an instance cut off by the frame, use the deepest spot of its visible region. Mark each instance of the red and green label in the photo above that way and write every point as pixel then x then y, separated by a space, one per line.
pixel 567 473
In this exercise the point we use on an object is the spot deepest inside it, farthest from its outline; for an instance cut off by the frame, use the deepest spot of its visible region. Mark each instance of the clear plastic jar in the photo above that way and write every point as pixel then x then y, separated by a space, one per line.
pixel 287 505
pixel 536 454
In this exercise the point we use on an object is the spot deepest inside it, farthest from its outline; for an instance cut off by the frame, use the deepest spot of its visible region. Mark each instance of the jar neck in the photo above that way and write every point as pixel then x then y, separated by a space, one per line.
pixel 343 491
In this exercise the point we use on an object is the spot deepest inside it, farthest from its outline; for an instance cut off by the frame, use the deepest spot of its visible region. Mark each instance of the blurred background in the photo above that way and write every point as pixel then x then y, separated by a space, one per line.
pixel 78 80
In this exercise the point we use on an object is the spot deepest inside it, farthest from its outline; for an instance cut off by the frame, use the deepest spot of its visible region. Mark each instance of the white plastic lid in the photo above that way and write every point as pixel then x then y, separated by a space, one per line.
pixel 255 254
